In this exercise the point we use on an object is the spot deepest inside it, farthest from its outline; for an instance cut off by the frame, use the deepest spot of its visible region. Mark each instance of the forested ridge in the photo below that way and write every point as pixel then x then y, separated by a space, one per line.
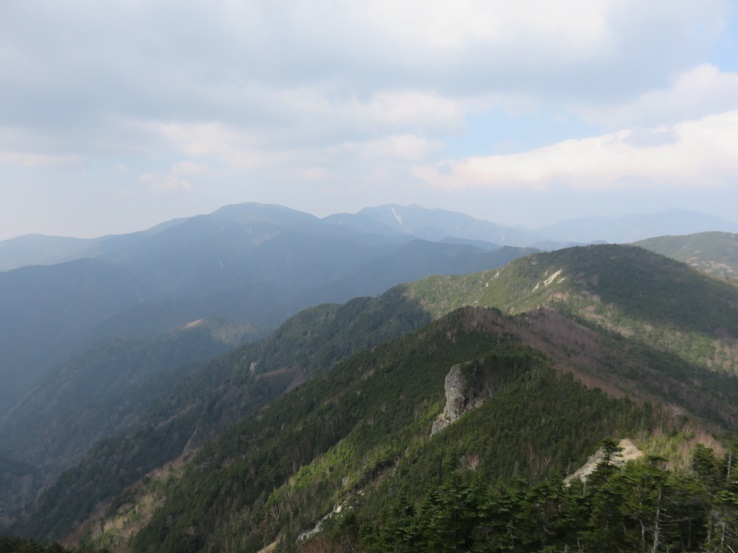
pixel 713 252
pixel 319 438
pixel 640 507
pixel 361 433
pixel 231 387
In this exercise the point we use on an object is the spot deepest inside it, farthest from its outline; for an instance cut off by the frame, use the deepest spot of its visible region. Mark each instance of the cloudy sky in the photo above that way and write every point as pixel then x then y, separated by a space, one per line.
pixel 120 114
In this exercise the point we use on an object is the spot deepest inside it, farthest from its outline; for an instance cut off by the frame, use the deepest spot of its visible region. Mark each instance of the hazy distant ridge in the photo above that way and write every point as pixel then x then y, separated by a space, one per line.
pixel 630 228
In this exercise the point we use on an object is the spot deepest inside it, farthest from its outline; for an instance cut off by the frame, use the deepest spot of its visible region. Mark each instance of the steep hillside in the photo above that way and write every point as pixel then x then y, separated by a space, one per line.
pixel 17 545
pixel 712 252
pixel 189 414
pixel 406 263
pixel 250 262
pixel 638 294
pixel 360 435
pixel 46 313
pixel 615 318
pixel 99 392
pixel 18 484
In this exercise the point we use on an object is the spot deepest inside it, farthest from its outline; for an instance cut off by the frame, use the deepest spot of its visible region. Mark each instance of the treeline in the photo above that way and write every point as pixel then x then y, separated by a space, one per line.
pixel 18 545
pixel 358 436
pixel 203 403
pixel 640 507
pixel 362 432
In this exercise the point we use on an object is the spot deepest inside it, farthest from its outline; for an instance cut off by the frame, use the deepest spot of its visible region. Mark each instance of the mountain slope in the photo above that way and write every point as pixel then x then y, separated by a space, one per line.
pixel 250 262
pixel 638 294
pixel 46 312
pixel 37 249
pixel 712 252
pixel 191 413
pixel 432 224
pixel 95 394
pixel 405 263
pixel 100 391
pixel 362 432
pixel 618 318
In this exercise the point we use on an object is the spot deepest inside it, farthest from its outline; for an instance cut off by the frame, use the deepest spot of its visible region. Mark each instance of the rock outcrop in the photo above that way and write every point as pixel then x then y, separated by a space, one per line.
pixel 460 397
pixel 628 452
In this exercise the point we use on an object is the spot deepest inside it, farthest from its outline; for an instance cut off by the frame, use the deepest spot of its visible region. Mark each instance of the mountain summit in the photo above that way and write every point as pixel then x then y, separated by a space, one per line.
pixel 432 224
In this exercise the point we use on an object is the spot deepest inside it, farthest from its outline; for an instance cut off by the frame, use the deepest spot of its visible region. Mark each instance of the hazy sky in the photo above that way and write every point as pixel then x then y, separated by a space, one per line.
pixel 119 114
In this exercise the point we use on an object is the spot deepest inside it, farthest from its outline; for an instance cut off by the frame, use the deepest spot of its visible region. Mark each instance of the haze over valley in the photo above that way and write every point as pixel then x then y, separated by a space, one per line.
pixel 131 358
pixel 310 277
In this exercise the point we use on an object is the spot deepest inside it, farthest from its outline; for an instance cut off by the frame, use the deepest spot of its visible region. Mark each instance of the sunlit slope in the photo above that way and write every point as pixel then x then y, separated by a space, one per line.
pixel 712 252
pixel 368 421
pixel 629 290
pixel 618 318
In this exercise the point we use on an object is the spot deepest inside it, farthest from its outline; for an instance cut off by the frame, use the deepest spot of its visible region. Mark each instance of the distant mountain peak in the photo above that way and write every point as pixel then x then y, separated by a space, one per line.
pixel 432 224
pixel 252 211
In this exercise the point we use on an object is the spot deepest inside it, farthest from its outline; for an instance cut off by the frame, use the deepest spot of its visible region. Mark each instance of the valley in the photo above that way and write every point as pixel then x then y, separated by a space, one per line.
pixel 368 277
pixel 169 426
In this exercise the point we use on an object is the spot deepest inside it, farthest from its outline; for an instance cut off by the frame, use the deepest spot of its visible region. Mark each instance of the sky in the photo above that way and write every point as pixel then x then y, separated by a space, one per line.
pixel 118 115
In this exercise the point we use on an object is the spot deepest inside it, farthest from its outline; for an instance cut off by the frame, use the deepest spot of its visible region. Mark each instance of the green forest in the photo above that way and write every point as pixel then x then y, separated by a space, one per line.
pixel 322 437
pixel 641 507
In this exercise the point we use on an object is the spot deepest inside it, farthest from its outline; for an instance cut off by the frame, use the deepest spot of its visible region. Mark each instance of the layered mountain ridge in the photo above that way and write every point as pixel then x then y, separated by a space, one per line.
pixel 325 435
pixel 601 314
pixel 252 262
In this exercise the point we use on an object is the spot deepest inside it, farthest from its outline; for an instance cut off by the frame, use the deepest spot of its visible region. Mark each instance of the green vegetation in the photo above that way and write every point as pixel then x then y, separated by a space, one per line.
pixel 712 252
pixel 641 507
pixel 643 296
pixel 319 438
pixel 18 545
pixel 233 386
pixel 362 430
pixel 60 419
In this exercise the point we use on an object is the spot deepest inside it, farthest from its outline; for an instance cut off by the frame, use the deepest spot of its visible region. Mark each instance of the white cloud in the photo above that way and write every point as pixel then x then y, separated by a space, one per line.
pixel 34 160
pixel 165 182
pixel 312 130
pixel 696 153
pixel 241 80
pixel 404 110
pixel 397 147
pixel 440 26
pixel 695 93
pixel 339 91
pixel 174 180
pixel 187 168
pixel 180 59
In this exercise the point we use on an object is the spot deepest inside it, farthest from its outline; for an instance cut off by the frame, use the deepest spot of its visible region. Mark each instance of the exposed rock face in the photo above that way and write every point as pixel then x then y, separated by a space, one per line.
pixel 628 452
pixel 459 399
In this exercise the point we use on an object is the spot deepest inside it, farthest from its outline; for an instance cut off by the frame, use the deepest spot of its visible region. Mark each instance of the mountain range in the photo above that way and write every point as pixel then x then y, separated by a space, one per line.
pixel 252 262
pixel 249 262
pixel 414 420
pixel 390 220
